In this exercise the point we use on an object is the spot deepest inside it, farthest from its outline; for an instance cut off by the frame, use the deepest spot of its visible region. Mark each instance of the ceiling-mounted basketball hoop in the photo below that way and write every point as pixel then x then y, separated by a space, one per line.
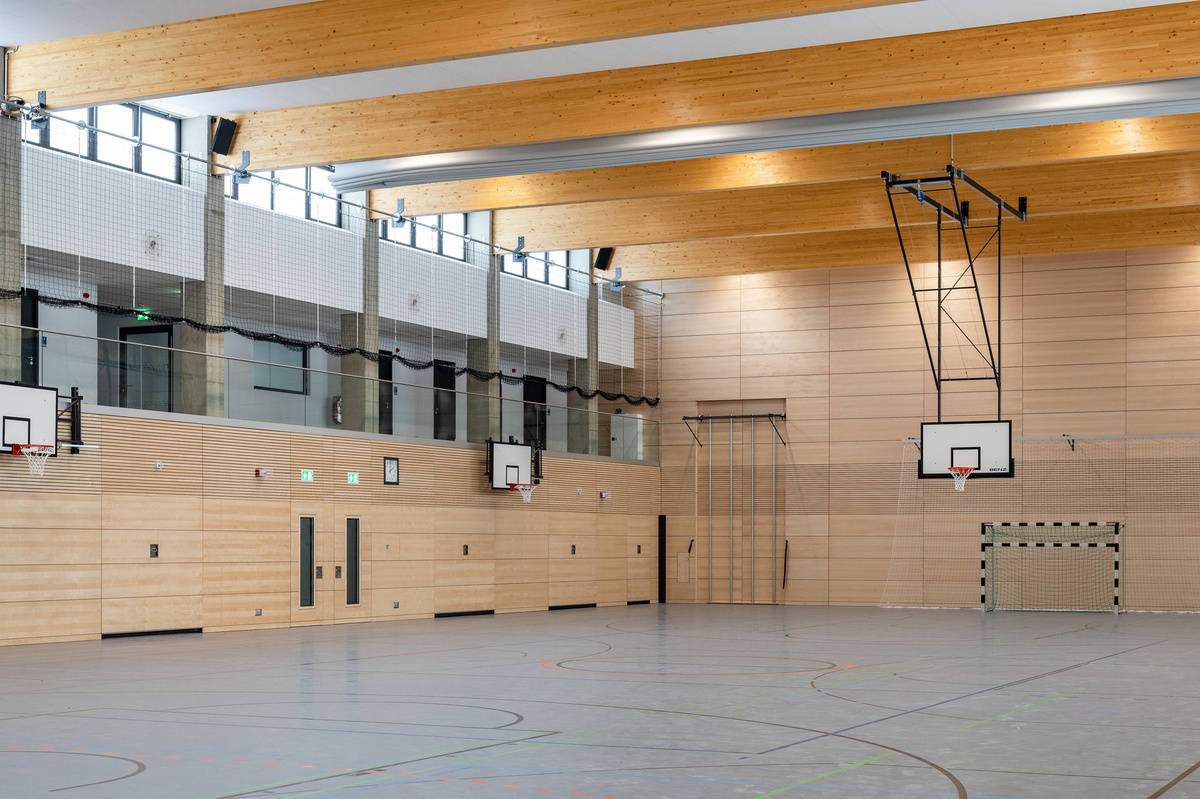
pixel 959 235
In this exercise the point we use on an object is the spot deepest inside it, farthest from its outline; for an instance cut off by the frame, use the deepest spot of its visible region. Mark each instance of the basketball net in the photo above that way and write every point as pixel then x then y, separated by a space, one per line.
pixel 36 456
pixel 960 473
pixel 526 490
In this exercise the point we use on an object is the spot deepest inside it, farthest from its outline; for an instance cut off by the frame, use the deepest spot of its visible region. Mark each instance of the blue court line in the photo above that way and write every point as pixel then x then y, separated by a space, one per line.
pixel 958 698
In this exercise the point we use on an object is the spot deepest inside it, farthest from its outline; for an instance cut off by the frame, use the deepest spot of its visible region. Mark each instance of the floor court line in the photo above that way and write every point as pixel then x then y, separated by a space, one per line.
pixel 1011 684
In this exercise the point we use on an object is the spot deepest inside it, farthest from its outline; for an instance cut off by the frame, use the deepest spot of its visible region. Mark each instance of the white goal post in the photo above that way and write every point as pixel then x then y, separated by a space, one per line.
pixel 1050 566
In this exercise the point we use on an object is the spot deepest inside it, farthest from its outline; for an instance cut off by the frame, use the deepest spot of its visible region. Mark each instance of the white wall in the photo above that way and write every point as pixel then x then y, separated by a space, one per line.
pixel 97 211
pixel 84 208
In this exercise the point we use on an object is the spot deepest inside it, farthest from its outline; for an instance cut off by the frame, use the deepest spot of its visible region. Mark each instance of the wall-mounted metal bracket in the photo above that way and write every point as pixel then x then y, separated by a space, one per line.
pixel 38 119
pixel 616 284
pixel 241 175
pixel 398 217
pixel 1070 439
pixel 771 419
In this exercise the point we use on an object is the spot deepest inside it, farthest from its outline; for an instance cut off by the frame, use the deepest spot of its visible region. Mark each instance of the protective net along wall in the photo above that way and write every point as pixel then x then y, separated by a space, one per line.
pixel 1146 484
pixel 1050 566
pixel 135 246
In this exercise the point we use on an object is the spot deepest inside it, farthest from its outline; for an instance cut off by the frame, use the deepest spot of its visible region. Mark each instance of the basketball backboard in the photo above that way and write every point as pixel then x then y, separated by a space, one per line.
pixel 984 446
pixel 509 464
pixel 28 415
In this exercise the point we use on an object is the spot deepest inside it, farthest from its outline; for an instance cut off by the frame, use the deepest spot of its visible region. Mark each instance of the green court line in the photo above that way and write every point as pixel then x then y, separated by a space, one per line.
pixel 823 776
pixel 1018 710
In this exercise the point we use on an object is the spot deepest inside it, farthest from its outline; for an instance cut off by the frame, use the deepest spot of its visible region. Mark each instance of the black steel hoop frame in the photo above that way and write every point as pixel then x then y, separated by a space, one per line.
pixel 956 212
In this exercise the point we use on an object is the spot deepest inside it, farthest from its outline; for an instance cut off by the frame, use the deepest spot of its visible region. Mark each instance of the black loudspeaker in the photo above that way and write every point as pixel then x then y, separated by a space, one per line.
pixel 603 258
pixel 222 141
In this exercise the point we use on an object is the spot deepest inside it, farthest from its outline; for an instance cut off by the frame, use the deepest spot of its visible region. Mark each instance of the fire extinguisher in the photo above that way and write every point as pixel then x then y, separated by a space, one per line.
pixel 337 409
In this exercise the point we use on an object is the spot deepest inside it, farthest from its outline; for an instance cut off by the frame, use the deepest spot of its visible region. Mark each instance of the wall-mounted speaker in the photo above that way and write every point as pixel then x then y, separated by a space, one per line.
pixel 603 258
pixel 222 140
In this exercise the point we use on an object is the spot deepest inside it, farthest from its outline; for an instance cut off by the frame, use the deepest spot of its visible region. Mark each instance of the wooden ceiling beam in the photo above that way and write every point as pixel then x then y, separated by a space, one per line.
pixel 1110 230
pixel 1132 182
pixel 1152 43
pixel 1004 148
pixel 335 37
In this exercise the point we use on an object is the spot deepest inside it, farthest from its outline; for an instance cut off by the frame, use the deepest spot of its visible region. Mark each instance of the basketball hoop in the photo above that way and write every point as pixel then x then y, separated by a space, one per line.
pixel 35 455
pixel 526 490
pixel 961 473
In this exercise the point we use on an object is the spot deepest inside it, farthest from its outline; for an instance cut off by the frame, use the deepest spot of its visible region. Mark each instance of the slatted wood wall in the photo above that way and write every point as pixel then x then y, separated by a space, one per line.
pixel 1104 343
pixel 75 544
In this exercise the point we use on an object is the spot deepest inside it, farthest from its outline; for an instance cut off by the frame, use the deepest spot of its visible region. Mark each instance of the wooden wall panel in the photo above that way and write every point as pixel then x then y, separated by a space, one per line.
pixel 227 542
pixel 1095 343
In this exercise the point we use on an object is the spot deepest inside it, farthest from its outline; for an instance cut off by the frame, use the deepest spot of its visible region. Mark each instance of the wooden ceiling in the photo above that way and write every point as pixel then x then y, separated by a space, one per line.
pixel 1071 52
pixel 335 37
pixel 1101 185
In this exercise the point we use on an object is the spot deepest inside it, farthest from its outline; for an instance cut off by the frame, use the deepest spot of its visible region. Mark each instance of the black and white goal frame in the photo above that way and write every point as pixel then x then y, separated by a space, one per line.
pixel 984 545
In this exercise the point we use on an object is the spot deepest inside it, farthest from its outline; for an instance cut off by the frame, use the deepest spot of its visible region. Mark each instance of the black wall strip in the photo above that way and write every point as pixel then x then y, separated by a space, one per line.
pixel 572 607
pixel 638 602
pixel 154 632
pixel 662 559
pixel 451 614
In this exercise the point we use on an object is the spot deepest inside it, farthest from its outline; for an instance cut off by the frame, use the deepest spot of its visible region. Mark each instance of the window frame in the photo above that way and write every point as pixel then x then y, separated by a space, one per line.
pixel 177 146
pixel 442 235
pixel 304 367
pixel 543 257
pixel 90 150
pixel 269 176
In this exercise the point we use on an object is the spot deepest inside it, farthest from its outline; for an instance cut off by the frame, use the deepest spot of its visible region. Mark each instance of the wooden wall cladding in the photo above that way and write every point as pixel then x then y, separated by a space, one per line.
pixel 1100 343
pixel 76 545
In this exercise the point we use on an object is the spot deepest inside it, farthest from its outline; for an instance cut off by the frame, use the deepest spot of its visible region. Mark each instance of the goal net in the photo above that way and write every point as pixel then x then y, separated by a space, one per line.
pixel 1059 566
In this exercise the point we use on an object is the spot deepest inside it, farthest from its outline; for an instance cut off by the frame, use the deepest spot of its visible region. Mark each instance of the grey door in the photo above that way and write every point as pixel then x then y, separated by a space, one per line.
pixel 146 368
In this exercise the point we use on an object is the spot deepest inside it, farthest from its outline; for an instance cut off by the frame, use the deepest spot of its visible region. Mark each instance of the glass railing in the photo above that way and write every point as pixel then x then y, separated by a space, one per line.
pixel 147 374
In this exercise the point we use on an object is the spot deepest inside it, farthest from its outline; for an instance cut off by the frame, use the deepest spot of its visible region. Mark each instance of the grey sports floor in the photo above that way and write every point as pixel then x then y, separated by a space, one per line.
pixel 627 703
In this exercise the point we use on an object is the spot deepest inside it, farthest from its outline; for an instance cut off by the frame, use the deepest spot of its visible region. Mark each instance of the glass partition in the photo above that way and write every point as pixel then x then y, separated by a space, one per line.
pixel 141 370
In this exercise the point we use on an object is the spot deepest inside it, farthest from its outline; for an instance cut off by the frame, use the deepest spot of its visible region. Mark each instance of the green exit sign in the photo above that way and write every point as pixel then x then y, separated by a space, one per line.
pixel 306 475
pixel 352 478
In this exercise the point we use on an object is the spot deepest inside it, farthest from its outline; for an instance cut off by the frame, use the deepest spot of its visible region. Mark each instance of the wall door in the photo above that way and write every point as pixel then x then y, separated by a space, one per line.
pixel 445 421
pixel 146 370
pixel 385 392
pixel 534 395
pixel 351 566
